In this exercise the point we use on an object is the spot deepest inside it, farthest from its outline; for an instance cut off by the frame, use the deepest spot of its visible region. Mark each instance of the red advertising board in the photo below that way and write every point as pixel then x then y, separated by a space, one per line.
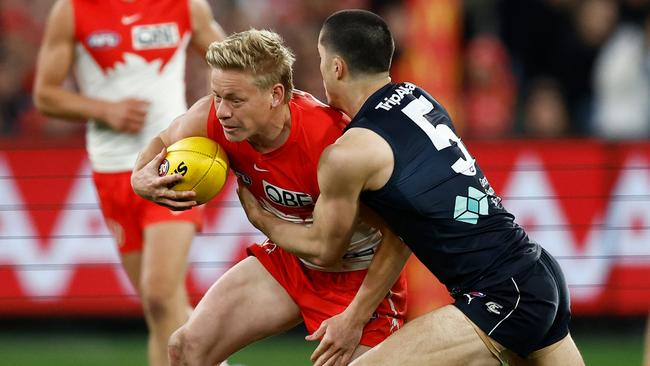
pixel 587 202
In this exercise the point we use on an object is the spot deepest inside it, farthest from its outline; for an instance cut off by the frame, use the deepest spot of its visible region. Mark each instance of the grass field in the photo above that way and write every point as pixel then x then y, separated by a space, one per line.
pixel 126 347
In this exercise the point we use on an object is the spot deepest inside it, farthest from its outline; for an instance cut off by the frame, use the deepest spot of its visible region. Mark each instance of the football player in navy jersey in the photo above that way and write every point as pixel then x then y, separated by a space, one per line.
pixel 401 157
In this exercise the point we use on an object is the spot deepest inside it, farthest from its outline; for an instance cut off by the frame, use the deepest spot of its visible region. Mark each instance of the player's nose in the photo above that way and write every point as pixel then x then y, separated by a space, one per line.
pixel 223 111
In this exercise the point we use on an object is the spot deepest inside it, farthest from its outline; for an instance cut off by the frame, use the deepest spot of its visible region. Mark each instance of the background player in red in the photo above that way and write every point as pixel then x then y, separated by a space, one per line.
pixel 273 137
pixel 129 63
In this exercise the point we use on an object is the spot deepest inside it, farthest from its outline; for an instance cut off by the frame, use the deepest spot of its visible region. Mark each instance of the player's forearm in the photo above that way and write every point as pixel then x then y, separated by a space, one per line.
pixel 385 268
pixel 303 241
pixel 58 102
pixel 147 154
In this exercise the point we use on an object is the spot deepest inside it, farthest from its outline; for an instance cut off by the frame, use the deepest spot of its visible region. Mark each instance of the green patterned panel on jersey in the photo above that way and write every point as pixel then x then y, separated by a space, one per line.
pixel 469 208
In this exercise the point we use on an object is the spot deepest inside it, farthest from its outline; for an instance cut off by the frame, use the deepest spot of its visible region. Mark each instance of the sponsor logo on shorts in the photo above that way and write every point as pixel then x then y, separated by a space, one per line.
pixel 152 36
pixel 493 307
pixel 163 168
pixel 394 325
pixel 472 295
pixel 103 39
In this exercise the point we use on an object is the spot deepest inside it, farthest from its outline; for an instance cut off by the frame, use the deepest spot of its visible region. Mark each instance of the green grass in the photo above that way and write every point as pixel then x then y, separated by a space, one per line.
pixel 72 349
pixel 280 350
pixel 128 348
pixel 110 349
pixel 610 350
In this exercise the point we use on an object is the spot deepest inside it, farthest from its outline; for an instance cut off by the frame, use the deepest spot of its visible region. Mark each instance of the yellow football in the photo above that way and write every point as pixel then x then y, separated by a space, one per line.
pixel 202 163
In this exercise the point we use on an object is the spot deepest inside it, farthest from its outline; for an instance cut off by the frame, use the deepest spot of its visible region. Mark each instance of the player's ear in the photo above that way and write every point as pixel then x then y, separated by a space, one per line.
pixel 277 95
pixel 340 67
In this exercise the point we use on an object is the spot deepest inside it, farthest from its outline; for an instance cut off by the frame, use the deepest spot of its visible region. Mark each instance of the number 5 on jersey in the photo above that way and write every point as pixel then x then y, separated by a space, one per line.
pixel 440 135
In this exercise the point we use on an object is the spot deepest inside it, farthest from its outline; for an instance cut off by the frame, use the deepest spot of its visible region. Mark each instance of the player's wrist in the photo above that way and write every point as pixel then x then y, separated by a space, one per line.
pixel 356 316
pixel 103 111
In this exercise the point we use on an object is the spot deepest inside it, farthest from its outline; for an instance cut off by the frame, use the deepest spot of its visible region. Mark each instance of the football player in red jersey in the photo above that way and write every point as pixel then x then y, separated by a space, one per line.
pixel 273 136
pixel 129 63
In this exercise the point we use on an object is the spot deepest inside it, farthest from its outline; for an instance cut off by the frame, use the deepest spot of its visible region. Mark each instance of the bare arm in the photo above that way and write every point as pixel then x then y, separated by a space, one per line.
pixel 205 29
pixel 344 171
pixel 360 160
pixel 341 333
pixel 55 60
pixel 335 213
pixel 386 265
pixel 144 178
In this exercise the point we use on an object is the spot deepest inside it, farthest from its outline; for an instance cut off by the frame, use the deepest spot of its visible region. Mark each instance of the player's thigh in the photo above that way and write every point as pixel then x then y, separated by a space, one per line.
pixel 246 304
pixel 361 349
pixel 132 264
pixel 441 337
pixel 562 352
pixel 164 255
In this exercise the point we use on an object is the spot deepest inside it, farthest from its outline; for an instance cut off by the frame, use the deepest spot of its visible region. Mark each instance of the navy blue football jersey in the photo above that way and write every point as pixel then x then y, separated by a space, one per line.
pixel 437 199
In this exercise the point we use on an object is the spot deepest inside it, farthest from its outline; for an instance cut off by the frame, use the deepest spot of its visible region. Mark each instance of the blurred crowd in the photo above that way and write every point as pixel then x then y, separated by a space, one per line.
pixel 555 68
pixel 534 68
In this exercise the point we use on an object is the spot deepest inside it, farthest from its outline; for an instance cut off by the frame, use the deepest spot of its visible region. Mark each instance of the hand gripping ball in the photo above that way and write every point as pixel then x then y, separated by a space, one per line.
pixel 202 163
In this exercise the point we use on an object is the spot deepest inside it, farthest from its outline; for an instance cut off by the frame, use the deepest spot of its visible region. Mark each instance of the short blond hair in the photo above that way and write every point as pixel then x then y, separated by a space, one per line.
pixel 260 52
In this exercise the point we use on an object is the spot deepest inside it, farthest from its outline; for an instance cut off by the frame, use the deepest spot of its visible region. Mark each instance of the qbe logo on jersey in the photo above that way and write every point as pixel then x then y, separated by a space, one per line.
pixel 150 36
pixel 285 197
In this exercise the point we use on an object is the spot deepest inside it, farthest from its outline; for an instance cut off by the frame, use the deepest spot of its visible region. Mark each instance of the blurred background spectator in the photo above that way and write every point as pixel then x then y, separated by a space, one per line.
pixel 490 91
pixel 545 114
pixel 536 68
pixel 622 79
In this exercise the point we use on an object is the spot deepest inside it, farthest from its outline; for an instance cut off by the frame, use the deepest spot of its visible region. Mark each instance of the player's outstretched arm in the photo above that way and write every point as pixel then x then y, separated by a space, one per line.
pixel 55 60
pixel 144 178
pixel 205 29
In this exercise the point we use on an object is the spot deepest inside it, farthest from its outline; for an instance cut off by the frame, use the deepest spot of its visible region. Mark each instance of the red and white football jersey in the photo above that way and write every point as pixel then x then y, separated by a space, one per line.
pixel 285 179
pixel 131 49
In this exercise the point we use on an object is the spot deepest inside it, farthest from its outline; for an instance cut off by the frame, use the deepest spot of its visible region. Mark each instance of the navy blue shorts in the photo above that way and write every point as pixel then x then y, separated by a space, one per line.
pixel 525 313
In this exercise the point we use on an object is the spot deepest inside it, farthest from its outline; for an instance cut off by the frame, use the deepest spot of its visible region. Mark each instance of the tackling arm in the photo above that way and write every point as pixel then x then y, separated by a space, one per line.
pixel 335 212
pixel 357 161
pixel 386 265
pixel 341 333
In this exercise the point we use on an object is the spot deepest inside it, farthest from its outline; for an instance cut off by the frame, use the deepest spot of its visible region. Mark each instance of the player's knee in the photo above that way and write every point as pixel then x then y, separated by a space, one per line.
pixel 175 348
pixel 186 347
pixel 157 302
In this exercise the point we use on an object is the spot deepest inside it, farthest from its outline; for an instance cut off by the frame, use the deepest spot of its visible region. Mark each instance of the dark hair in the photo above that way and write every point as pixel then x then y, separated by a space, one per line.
pixel 361 38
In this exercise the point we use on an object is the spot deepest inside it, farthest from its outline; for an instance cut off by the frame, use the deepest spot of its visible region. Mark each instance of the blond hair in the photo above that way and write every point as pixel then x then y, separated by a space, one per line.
pixel 260 52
